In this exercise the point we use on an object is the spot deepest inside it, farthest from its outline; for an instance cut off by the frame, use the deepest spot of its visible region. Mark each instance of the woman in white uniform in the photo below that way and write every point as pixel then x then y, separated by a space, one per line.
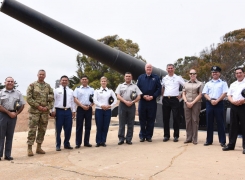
pixel 103 101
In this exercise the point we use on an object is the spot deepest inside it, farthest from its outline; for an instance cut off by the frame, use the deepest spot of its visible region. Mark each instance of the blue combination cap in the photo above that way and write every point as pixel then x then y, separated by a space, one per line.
pixel 215 69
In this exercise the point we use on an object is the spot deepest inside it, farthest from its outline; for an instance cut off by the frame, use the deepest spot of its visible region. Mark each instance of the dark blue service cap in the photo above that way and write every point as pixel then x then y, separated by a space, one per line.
pixel 215 69
pixel 243 93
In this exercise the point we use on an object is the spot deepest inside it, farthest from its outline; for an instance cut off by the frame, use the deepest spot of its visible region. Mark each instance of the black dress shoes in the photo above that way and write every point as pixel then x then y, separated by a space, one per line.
pixel 187 142
pixel 77 147
pixel 9 158
pixel 222 145
pixel 149 139
pixel 88 145
pixel 207 144
pixel 129 142
pixel 176 139
pixel 0 159
pixel 227 148
pixel 165 139
pixel 103 144
pixel 120 142
pixel 243 152
pixel 142 139
pixel 58 149
pixel 68 147
pixel 97 145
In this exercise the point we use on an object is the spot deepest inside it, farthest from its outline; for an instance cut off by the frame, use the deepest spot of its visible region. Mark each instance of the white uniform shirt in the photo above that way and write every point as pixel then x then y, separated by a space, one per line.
pixel 82 94
pixel 101 97
pixel 236 89
pixel 58 98
pixel 171 85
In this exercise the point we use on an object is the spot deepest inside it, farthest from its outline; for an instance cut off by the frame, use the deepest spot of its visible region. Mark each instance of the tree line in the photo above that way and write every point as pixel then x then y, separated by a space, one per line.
pixel 95 69
pixel 228 54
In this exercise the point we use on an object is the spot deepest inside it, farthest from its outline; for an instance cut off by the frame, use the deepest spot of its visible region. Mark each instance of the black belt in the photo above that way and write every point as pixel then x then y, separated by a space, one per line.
pixel 12 110
pixel 169 97
pixel 63 108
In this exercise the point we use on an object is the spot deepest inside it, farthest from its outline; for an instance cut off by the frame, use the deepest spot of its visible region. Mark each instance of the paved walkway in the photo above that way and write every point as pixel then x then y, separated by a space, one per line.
pixel 155 160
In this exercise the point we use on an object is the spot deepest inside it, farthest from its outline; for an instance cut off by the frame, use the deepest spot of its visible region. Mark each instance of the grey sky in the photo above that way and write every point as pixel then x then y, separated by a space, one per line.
pixel 165 31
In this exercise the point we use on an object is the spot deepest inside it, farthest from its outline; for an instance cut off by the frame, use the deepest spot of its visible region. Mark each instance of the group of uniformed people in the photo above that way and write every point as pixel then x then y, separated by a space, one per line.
pixel 64 104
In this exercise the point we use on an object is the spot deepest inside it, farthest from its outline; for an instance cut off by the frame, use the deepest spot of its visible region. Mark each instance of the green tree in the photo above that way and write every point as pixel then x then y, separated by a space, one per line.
pixel 228 54
pixel 95 69
pixel 3 86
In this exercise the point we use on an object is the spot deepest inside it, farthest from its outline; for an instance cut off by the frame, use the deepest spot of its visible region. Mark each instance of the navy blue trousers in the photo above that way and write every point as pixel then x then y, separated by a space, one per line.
pixel 147 117
pixel 215 112
pixel 63 120
pixel 102 120
pixel 83 117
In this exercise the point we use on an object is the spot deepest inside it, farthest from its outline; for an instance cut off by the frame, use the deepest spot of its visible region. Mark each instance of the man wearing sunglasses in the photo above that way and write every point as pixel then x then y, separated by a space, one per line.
pixel 215 91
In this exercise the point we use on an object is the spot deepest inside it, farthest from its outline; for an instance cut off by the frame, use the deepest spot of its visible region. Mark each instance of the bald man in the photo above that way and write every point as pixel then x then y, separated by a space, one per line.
pixel 150 86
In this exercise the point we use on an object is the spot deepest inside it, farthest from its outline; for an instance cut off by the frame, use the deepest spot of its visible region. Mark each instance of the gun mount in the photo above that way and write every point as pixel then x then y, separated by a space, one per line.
pixel 114 58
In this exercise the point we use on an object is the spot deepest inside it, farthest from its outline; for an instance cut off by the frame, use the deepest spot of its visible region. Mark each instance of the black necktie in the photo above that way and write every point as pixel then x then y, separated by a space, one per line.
pixel 64 98
pixel 104 89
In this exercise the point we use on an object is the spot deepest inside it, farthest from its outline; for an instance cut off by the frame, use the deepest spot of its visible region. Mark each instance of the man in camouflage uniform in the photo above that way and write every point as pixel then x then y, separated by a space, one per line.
pixel 40 97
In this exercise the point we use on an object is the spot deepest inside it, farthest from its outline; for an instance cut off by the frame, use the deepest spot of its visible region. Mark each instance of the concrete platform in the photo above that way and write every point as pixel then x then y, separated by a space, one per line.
pixel 155 160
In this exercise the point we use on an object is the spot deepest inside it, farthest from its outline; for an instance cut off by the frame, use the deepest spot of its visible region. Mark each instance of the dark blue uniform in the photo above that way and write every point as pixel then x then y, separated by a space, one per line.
pixel 149 85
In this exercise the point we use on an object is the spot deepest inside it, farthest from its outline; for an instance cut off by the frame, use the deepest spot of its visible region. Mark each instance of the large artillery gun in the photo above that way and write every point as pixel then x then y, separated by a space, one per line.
pixel 113 58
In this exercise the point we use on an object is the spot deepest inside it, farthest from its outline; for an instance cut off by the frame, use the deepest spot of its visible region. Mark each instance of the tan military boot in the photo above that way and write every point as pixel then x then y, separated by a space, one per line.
pixel 29 150
pixel 39 149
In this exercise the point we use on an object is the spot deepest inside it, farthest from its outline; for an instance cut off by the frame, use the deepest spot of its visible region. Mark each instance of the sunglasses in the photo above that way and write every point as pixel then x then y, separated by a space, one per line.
pixel 193 73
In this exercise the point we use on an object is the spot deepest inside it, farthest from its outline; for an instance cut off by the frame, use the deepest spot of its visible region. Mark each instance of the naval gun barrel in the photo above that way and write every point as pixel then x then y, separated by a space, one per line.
pixel 113 58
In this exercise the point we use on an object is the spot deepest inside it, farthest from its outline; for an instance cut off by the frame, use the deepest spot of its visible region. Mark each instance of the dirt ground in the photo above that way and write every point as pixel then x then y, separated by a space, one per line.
pixel 141 161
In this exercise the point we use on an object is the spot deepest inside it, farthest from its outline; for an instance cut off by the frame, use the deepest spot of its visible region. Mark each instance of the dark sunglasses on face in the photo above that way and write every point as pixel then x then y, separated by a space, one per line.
pixel 193 73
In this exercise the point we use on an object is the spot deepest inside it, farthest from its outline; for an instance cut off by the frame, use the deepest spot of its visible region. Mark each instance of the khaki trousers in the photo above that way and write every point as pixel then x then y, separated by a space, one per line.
pixel 192 121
